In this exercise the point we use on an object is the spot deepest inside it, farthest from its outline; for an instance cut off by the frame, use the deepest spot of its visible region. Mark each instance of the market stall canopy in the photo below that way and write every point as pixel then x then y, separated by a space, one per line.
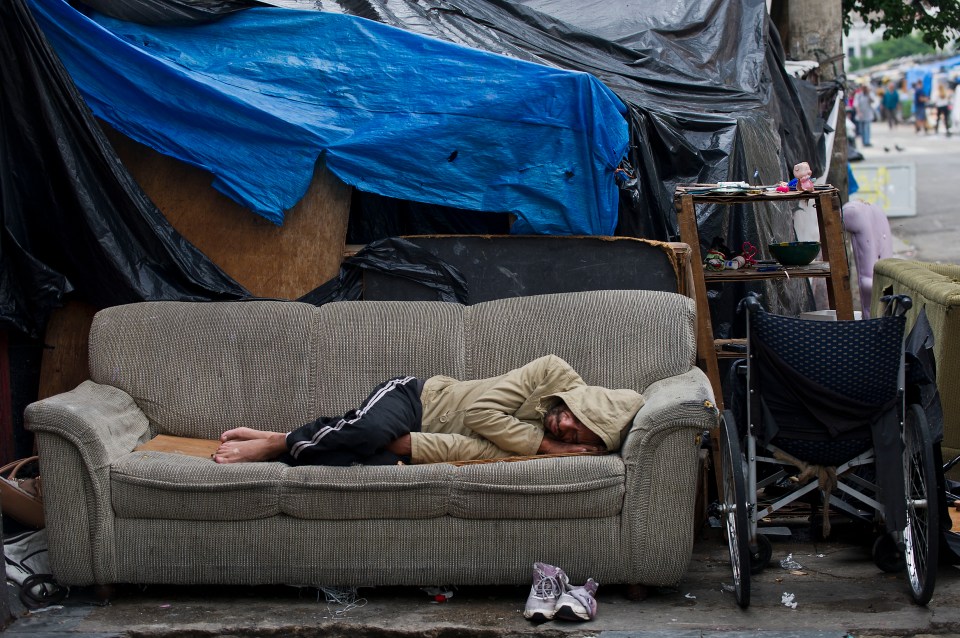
pixel 925 72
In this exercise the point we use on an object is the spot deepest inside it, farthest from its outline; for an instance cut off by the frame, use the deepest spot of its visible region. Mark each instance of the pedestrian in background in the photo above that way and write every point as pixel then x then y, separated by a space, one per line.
pixel 891 104
pixel 943 101
pixel 863 108
pixel 919 107
pixel 955 111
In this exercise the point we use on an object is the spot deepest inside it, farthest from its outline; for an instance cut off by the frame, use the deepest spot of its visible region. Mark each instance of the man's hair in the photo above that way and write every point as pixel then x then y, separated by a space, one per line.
pixel 559 407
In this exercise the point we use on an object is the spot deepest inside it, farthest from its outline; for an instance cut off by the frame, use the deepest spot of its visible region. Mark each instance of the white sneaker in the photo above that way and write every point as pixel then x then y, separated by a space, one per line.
pixel 578 603
pixel 549 583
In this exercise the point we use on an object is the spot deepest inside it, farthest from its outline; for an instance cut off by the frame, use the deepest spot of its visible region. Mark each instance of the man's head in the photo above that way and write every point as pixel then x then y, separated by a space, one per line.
pixel 560 424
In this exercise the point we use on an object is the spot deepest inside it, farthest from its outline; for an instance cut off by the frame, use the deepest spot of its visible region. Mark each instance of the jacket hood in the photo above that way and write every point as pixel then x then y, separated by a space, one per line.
pixel 607 413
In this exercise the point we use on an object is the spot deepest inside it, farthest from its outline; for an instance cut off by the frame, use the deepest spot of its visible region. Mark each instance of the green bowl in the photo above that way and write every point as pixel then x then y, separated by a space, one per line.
pixel 794 253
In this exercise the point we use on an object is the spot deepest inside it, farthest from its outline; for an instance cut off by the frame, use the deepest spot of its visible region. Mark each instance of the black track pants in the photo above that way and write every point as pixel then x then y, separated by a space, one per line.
pixel 360 436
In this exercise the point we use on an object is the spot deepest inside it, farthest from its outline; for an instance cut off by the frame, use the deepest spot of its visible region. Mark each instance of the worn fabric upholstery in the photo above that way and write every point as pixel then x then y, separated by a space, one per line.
pixel 244 363
pixel 934 288
pixel 196 369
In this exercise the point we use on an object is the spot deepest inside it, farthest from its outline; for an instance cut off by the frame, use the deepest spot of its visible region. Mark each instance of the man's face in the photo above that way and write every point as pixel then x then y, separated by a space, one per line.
pixel 563 426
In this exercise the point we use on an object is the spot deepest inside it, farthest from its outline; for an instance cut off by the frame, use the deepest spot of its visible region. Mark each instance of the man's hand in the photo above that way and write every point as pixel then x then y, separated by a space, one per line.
pixel 552 446
pixel 401 446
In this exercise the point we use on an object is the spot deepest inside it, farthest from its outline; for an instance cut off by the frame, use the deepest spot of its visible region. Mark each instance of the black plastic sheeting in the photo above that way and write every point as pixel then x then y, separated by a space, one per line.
pixel 169 12
pixel 696 75
pixel 400 258
pixel 704 82
pixel 74 220
pixel 708 98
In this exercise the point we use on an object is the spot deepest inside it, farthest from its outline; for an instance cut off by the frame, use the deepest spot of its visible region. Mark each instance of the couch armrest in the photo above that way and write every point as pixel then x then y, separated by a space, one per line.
pixel 661 457
pixel 103 421
pixel 682 401
pixel 79 434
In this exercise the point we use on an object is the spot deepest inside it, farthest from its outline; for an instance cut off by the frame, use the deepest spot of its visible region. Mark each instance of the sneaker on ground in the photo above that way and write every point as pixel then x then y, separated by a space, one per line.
pixel 578 603
pixel 549 583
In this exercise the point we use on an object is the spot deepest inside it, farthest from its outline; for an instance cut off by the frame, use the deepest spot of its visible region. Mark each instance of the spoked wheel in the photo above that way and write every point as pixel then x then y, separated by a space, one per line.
pixel 922 532
pixel 734 508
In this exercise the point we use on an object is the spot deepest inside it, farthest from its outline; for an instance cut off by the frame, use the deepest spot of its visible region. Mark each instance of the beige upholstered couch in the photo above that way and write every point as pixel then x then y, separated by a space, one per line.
pixel 195 369
pixel 936 289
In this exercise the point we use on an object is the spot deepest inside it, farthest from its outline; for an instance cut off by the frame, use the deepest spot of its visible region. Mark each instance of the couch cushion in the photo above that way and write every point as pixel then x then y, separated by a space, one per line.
pixel 548 488
pixel 613 338
pixel 175 486
pixel 363 343
pixel 197 369
pixel 370 492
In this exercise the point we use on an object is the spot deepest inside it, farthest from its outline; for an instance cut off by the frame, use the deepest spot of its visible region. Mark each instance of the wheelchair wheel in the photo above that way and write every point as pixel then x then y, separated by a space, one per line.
pixel 922 534
pixel 734 508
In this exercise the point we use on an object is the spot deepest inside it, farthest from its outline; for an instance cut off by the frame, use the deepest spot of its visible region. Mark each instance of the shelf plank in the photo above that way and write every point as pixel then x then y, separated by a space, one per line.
pixel 815 269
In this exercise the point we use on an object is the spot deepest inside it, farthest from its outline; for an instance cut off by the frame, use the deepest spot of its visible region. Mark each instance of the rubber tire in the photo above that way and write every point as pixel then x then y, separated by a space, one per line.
pixel 760 558
pixel 40 590
pixel 888 554
pixel 734 504
pixel 922 534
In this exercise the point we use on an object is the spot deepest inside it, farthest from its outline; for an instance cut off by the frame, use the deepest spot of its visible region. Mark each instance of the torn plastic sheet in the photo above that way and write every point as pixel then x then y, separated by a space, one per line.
pixel 400 258
pixel 727 109
pixel 74 221
pixel 258 95
pixel 708 100
pixel 168 12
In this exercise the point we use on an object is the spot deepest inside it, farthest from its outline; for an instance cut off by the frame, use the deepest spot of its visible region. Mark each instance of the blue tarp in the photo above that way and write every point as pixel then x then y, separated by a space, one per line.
pixel 257 96
pixel 925 72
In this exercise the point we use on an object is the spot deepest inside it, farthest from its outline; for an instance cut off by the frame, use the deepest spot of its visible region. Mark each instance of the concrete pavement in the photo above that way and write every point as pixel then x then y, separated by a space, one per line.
pixel 934 233
pixel 837 589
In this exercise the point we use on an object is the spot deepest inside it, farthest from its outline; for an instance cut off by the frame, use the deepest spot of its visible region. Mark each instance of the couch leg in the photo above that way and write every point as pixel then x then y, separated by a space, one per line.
pixel 637 592
pixel 104 593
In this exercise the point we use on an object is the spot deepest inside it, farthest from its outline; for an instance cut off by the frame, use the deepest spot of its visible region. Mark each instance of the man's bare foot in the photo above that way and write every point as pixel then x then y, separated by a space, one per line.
pixel 261 446
pixel 244 434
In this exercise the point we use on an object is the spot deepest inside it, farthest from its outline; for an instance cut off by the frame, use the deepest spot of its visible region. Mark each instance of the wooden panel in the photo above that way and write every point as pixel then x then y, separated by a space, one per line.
pixel 282 262
pixel 65 359
pixel 201 448
pixel 500 266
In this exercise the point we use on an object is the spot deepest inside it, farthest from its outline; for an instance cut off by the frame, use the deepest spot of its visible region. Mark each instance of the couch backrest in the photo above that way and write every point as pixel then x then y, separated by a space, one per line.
pixel 363 343
pixel 613 338
pixel 197 369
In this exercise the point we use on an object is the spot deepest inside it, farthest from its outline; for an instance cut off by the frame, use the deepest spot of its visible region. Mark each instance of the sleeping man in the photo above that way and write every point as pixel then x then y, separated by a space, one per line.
pixel 543 407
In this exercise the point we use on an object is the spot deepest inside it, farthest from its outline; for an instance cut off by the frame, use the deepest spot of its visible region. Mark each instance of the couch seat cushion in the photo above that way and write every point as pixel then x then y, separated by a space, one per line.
pixel 367 492
pixel 548 488
pixel 175 486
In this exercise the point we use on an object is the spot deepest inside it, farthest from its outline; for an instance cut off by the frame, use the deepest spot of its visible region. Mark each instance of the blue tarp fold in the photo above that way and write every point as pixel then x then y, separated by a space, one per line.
pixel 256 97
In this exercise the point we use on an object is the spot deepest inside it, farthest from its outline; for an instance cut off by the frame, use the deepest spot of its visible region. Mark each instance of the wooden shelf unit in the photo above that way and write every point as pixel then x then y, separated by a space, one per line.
pixel 833 268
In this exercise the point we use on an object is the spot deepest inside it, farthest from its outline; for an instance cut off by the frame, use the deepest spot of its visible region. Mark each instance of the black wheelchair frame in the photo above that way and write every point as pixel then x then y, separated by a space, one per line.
pixel 745 502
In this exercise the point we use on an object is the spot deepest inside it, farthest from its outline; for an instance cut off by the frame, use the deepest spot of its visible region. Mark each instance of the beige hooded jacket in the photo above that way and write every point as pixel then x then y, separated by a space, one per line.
pixel 503 416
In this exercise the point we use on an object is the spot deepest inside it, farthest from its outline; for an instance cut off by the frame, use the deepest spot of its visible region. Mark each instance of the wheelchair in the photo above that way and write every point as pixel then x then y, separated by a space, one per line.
pixel 824 418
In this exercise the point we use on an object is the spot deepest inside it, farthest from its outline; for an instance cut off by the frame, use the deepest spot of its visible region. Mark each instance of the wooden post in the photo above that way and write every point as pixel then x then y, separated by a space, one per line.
pixel 706 349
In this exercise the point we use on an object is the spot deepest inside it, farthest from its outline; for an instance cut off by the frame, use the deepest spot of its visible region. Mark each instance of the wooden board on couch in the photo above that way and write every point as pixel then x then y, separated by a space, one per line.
pixel 203 448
